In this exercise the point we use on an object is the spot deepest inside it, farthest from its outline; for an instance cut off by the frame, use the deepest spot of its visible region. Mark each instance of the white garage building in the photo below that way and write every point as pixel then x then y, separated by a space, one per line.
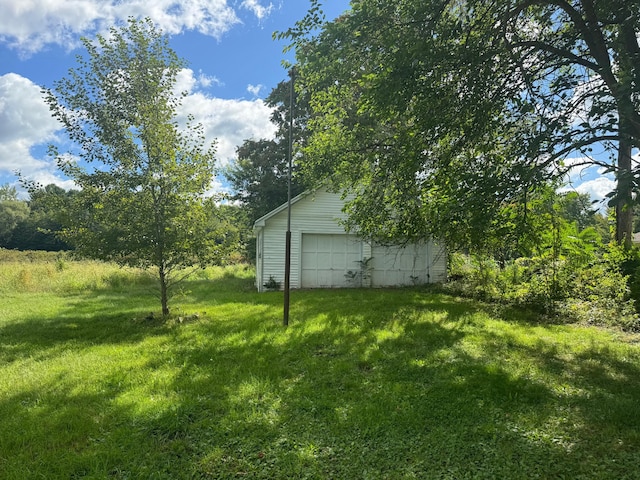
pixel 324 255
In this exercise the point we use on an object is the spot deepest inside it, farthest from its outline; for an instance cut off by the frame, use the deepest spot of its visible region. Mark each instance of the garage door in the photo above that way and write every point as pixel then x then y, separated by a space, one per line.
pixel 326 259
pixel 395 266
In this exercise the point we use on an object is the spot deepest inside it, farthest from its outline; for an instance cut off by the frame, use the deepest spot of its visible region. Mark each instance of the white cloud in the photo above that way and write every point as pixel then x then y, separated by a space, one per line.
pixel 26 124
pixel 29 25
pixel 597 189
pixel 206 81
pixel 578 169
pixel 230 122
pixel 254 89
pixel 257 9
pixel 227 122
pixel 584 177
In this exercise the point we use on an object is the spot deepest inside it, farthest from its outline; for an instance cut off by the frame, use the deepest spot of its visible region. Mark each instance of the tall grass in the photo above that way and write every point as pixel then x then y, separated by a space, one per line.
pixel 394 384
pixel 58 272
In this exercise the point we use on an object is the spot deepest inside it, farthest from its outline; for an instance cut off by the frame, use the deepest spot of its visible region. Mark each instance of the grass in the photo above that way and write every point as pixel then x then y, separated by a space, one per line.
pixel 395 384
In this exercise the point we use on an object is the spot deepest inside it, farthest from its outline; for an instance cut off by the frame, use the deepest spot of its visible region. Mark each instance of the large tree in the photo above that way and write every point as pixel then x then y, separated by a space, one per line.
pixel 438 113
pixel 141 200
pixel 259 176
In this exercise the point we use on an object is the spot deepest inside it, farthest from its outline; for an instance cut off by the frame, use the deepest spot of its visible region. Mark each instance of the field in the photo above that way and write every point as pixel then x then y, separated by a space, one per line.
pixel 363 384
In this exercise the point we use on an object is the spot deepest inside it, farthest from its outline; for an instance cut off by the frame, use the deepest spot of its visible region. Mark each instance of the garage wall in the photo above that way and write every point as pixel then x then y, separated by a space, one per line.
pixel 414 264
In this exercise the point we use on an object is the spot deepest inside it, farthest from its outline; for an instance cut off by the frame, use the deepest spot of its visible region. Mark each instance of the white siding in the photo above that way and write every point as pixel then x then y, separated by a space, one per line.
pixel 259 256
pixel 437 263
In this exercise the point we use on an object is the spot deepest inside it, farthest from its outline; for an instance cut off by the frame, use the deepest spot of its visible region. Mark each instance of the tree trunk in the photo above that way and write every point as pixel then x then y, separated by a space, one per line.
pixel 624 207
pixel 164 297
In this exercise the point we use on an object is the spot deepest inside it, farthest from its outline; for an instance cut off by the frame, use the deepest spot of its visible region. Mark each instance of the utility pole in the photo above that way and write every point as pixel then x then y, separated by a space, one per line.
pixel 287 253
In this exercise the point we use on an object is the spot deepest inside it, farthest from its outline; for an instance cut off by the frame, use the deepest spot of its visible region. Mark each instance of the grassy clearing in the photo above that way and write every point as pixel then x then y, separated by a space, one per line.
pixel 394 384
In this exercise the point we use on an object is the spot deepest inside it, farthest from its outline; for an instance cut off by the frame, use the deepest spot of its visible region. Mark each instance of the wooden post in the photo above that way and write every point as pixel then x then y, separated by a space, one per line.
pixel 287 252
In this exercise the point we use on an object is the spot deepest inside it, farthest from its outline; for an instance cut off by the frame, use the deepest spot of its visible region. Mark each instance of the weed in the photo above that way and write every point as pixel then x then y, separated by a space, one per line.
pixel 272 284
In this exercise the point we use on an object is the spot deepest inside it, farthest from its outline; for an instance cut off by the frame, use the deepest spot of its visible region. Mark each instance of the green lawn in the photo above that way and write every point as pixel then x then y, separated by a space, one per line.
pixel 364 384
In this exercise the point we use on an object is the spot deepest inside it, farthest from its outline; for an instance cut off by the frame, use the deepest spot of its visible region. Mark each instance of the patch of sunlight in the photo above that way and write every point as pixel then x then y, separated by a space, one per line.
pixel 371 351
pixel 316 324
pixel 256 401
pixel 308 452
pixel 472 348
pixel 238 339
pixel 142 403
pixel 419 362
pixel 546 435
pixel 289 384
pixel 384 335
pixel 441 356
pixel 344 412
pixel 567 390
pixel 439 316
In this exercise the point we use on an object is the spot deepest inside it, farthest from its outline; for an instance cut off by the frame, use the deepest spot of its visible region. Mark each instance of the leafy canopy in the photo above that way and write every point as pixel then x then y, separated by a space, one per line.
pixel 439 113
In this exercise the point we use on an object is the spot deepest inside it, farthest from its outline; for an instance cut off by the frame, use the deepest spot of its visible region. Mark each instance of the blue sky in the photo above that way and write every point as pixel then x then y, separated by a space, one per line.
pixel 233 64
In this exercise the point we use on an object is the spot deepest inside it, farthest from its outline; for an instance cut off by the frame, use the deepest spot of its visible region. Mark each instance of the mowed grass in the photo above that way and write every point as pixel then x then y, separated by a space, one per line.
pixel 363 384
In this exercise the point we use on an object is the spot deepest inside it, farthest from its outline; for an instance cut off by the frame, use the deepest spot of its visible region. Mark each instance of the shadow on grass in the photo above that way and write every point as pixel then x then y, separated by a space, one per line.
pixel 363 384
pixel 85 319
pixel 125 312
pixel 338 402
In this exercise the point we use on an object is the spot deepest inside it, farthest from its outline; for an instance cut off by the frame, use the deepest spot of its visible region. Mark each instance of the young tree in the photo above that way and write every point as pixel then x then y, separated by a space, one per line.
pixel 142 202
pixel 441 112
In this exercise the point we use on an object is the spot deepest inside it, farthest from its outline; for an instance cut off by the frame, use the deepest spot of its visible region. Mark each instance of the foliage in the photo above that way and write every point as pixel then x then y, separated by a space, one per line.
pixel 46 273
pixel 363 384
pixel 142 204
pixel 8 192
pixel 12 212
pixel 563 269
pixel 361 276
pixel 438 114
pixel 48 208
pixel 568 287
pixel 272 283
pixel 259 177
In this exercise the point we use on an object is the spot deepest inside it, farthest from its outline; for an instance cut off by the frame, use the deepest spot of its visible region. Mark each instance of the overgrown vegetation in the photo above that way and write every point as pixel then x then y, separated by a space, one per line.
pixel 364 383
pixel 596 294
pixel 563 265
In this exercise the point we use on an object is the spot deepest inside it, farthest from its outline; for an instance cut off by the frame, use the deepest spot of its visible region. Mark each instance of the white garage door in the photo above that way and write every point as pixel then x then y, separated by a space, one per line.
pixel 326 259
pixel 395 266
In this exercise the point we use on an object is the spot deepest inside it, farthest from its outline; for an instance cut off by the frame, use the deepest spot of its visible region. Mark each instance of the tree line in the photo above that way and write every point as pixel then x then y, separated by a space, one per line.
pixel 32 224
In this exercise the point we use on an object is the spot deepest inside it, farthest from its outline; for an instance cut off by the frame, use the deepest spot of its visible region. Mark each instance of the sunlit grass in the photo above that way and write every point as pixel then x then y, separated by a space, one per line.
pixel 363 384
